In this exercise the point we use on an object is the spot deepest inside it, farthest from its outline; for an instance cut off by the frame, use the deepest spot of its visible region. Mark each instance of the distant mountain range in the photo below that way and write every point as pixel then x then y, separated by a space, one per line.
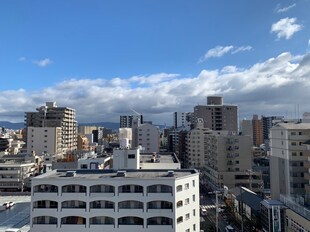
pixel 109 125
pixel 12 125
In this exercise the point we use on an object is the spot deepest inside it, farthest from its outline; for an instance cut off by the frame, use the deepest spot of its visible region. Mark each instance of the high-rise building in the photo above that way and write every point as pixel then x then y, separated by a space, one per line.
pixel 120 201
pixel 268 123
pixel 257 131
pixel 182 119
pixel 52 116
pixel 223 157
pixel 126 121
pixel 289 172
pixel 216 115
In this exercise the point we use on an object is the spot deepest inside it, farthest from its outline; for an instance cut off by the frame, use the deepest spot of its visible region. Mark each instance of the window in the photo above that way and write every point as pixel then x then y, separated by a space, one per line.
pixel 194 212
pixel 131 156
pixel 179 188
pixel 186 201
pixel 186 186
pixel 187 230
pixel 194 227
pixel 179 204
pixel 45 135
pixel 293 143
pixel 179 220
pixel 187 216
pixel 83 166
pixel 194 198
pixel 193 183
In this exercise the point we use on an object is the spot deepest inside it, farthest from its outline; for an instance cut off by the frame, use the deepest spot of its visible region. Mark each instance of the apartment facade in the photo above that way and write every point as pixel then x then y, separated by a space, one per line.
pixel 44 140
pixel 289 172
pixel 121 201
pixel 216 115
pixel 148 138
pixel 52 116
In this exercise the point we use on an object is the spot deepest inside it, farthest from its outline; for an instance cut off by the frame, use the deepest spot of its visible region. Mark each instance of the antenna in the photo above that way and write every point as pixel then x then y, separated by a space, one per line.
pixel 135 112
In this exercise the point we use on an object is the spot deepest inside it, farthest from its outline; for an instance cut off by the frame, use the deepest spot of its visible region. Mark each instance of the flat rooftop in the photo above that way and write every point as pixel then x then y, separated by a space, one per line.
pixel 99 174
pixel 161 157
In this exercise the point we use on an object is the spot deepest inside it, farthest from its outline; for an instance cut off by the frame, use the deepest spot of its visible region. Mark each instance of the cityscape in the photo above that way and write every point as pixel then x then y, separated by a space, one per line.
pixel 147 116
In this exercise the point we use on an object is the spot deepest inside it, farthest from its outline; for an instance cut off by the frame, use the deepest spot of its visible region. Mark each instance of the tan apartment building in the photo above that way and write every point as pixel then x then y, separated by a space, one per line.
pixel 52 116
pixel 216 115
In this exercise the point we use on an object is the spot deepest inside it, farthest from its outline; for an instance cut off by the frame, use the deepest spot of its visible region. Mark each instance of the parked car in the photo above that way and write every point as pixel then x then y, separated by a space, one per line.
pixel 11 203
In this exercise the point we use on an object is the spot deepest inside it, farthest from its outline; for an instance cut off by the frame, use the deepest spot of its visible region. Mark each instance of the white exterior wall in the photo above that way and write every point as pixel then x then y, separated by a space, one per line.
pixel 121 159
pixel 44 140
pixel 148 138
pixel 190 188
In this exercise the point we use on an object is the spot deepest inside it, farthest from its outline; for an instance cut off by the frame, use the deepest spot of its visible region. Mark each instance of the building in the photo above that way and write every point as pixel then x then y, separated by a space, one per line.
pixel 108 200
pixel 132 159
pixel 216 115
pixel 148 138
pixel 44 140
pixel 272 215
pixel 82 143
pixel 52 116
pixel 86 129
pixel 289 172
pixel 268 123
pixel 182 119
pixel 16 171
pixel 126 121
pixel 288 158
pixel 257 131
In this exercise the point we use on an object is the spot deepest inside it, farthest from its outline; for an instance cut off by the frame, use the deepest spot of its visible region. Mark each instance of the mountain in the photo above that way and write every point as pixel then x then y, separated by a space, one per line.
pixel 12 125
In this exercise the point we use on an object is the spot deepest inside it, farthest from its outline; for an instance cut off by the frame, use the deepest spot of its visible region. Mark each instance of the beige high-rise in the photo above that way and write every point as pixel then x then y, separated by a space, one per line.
pixel 216 115
pixel 52 116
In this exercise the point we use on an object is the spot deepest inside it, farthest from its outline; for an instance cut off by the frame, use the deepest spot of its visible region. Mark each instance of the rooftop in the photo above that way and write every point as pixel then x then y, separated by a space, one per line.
pixel 96 174
pixel 294 126
pixel 159 158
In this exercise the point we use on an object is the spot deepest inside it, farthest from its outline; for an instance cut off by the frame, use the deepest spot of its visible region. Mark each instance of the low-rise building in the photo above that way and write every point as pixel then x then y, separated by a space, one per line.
pixel 120 201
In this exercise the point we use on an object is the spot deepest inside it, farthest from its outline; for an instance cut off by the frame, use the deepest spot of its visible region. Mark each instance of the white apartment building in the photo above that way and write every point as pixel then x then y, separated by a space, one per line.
pixel 44 140
pixel 148 138
pixel 15 172
pixel 120 201
pixel 289 172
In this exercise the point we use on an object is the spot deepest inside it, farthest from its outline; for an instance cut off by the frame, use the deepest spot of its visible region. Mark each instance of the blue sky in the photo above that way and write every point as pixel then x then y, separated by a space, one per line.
pixel 105 57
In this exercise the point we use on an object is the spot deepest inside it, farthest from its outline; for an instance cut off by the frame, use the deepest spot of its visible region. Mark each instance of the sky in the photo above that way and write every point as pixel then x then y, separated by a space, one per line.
pixel 107 57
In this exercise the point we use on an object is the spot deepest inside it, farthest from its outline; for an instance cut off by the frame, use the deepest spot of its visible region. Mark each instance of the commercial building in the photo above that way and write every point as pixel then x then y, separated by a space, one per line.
pixel 52 116
pixel 120 201
pixel 216 115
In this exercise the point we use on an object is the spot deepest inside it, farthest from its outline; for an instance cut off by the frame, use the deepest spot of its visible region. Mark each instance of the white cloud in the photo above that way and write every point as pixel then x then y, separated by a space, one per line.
pixel 219 51
pixel 241 49
pixel 286 28
pixel 284 9
pixel 273 86
pixel 21 58
pixel 43 63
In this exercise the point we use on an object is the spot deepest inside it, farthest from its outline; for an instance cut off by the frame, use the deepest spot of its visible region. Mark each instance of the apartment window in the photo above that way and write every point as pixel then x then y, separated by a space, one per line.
pixel 300 153
pixel 186 186
pixel 45 130
pixel 131 156
pixel 187 216
pixel 194 198
pixel 179 188
pixel 237 169
pixel 293 143
pixel 294 153
pixel 179 204
pixel 293 133
pixel 193 181
pixel 188 230
pixel 45 136
pixel 194 212
pixel 186 201
pixel 179 219
pixel 194 227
